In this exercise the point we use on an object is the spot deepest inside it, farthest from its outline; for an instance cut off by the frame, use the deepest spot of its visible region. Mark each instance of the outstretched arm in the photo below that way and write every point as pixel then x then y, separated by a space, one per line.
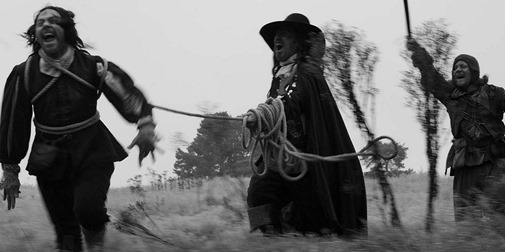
pixel 431 79
pixel 132 105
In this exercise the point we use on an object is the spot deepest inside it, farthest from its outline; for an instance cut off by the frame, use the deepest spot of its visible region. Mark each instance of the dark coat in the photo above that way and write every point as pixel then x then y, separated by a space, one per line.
pixel 338 187
pixel 66 102
pixel 476 115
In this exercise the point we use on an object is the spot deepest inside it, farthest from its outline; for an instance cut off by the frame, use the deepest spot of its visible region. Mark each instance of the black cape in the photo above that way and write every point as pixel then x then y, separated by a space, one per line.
pixel 339 185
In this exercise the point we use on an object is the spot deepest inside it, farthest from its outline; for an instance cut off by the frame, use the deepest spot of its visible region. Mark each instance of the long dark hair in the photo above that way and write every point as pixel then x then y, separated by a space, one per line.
pixel 66 22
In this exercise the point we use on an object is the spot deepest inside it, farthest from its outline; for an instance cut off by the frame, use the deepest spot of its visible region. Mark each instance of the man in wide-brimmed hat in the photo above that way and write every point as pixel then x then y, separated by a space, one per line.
pixel 331 197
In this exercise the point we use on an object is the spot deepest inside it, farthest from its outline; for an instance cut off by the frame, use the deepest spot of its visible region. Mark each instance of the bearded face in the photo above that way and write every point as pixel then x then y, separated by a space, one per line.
pixel 50 35
pixel 285 44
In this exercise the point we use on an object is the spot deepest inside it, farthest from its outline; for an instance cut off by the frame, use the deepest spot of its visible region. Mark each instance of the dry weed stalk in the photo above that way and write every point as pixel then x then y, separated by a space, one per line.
pixel 129 221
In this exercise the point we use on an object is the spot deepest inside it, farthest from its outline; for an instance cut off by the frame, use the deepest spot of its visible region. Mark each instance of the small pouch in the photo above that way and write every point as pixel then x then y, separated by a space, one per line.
pixel 42 157
pixel 459 146
pixel 498 149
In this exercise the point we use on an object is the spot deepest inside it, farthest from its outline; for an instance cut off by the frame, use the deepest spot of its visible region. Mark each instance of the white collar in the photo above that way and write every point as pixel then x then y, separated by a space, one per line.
pixel 290 60
pixel 65 61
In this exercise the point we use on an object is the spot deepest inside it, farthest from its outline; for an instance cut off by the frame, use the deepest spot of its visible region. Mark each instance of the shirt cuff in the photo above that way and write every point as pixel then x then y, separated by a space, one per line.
pixel 145 120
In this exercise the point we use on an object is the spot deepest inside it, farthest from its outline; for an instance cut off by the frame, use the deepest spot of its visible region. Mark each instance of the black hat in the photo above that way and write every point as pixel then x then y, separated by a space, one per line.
pixel 298 21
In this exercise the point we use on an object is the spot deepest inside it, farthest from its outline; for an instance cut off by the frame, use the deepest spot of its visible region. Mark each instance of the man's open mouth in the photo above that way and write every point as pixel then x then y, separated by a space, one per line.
pixel 48 37
pixel 460 76
pixel 278 46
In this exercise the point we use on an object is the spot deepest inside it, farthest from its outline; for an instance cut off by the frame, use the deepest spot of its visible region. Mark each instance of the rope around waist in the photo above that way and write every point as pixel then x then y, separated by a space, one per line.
pixel 62 130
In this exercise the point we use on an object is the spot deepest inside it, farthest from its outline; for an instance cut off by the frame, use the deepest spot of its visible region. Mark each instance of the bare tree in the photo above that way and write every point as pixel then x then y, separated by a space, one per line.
pixel 349 64
pixel 435 37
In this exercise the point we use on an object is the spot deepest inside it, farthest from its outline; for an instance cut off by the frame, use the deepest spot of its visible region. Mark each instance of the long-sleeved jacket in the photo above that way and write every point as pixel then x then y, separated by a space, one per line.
pixel 67 102
pixel 476 114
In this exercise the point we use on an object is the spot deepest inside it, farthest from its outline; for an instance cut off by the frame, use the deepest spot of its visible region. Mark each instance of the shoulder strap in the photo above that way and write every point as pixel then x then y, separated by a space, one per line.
pixel 26 75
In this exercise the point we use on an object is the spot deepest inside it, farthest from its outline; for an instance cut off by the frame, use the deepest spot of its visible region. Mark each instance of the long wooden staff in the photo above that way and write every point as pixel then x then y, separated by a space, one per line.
pixel 407 16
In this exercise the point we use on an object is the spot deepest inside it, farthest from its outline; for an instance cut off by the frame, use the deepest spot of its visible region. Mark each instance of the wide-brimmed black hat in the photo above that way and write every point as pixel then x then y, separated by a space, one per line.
pixel 298 21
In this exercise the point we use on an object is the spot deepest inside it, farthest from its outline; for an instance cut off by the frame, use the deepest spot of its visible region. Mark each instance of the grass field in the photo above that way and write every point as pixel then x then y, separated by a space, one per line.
pixel 213 217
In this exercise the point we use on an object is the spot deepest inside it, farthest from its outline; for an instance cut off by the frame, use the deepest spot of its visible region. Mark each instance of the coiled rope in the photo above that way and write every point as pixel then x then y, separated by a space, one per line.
pixel 270 134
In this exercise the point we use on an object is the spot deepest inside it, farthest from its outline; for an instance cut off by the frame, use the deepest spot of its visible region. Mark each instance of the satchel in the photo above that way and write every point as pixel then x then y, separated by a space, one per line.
pixel 42 157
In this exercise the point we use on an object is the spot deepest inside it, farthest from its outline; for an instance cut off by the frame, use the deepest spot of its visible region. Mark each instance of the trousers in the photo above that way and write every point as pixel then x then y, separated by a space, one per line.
pixel 472 182
pixel 294 203
pixel 77 199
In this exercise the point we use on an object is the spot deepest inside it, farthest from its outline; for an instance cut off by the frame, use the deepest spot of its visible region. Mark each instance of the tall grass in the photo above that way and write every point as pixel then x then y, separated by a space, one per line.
pixel 213 217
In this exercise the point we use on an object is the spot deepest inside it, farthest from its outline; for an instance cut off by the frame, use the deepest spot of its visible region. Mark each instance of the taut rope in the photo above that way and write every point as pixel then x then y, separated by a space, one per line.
pixel 196 115
pixel 271 134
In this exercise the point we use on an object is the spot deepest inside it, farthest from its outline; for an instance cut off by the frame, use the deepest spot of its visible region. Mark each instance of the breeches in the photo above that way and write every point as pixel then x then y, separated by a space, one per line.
pixel 470 182
pixel 78 200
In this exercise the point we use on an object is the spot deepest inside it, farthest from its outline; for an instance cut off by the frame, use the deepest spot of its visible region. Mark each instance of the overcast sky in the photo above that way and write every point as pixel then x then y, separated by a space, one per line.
pixel 188 54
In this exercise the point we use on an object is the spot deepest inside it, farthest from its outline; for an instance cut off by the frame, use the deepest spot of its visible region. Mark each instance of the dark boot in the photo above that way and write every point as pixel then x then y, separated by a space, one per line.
pixel 267 218
pixel 70 243
pixel 95 239
pixel 259 217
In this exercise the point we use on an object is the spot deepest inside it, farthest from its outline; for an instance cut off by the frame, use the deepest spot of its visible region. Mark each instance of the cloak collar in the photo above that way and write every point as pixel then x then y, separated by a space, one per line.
pixel 471 89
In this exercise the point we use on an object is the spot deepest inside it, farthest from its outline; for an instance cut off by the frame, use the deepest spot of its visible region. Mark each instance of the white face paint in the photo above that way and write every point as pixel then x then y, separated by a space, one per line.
pixel 50 35
pixel 461 74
